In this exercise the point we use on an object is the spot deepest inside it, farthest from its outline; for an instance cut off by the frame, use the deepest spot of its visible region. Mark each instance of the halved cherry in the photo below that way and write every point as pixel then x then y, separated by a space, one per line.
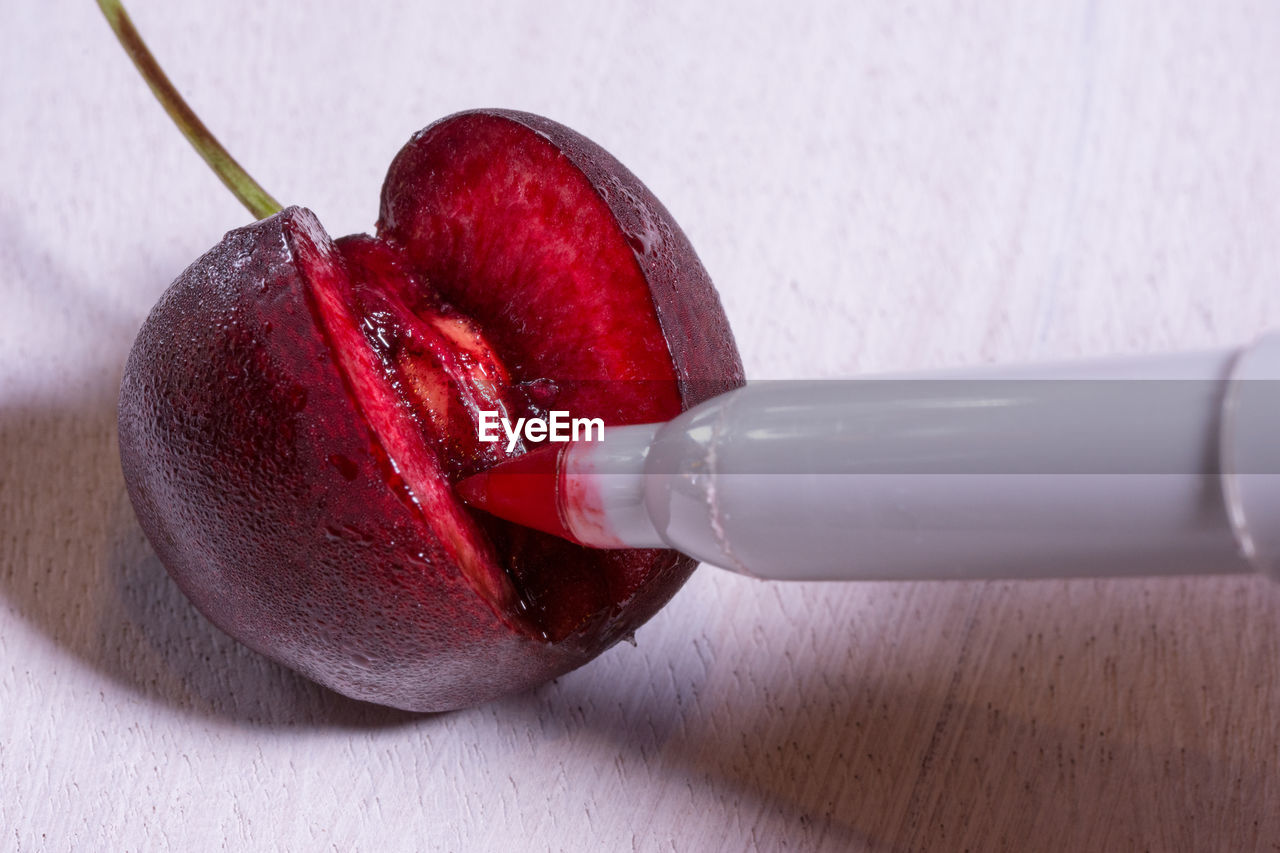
pixel 296 410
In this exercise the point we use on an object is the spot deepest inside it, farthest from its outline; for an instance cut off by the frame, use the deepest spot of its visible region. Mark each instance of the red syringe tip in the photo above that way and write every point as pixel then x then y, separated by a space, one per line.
pixel 523 490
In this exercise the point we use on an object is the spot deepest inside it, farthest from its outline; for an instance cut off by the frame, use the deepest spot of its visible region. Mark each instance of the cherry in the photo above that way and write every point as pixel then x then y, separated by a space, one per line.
pixel 296 409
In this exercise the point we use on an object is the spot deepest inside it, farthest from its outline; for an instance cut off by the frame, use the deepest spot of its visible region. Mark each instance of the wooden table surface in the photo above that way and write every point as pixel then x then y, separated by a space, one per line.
pixel 873 187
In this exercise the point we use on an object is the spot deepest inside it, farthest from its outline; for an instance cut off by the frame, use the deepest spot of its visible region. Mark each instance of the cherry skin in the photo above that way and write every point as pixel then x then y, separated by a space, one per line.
pixel 296 409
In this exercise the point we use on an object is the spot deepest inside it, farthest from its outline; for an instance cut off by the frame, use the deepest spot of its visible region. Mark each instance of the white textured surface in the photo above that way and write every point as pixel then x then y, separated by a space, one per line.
pixel 873 186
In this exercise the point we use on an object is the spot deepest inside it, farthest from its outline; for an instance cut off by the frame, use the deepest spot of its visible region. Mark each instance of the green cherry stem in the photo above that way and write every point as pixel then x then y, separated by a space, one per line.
pixel 251 194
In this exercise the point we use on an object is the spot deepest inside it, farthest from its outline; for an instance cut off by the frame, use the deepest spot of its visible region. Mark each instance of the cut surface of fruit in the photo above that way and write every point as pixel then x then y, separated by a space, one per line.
pixel 575 272
pixel 572 267
pixel 387 355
